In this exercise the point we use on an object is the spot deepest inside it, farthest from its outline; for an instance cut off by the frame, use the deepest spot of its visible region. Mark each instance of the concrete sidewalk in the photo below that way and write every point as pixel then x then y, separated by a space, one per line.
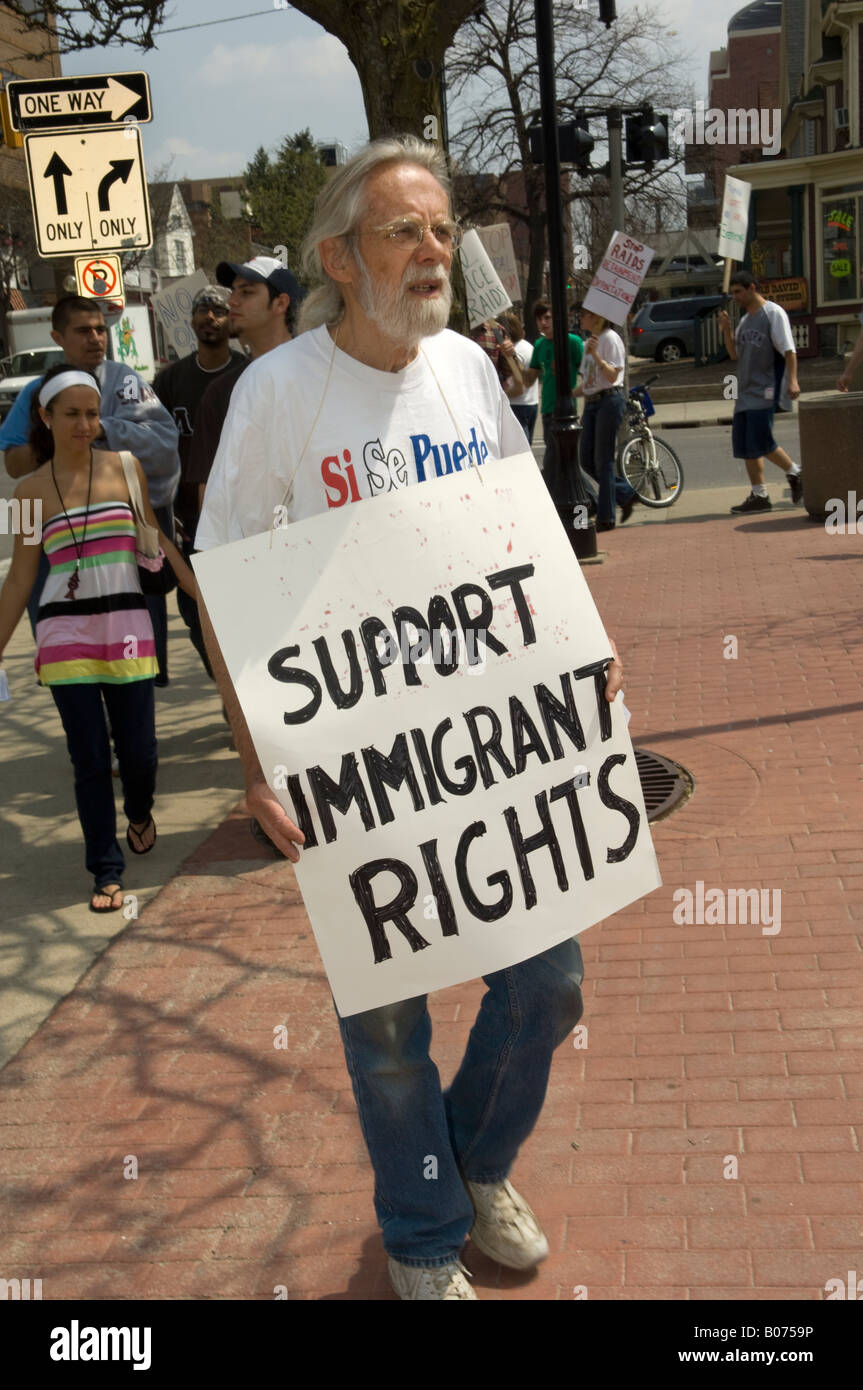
pixel 706 1042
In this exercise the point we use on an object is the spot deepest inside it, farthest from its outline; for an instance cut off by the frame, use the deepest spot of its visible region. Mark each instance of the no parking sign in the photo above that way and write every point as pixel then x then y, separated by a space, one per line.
pixel 99 277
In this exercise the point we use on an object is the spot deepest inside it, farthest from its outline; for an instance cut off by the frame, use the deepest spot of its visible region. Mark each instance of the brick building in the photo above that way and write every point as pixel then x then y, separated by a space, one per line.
pixel 743 78
pixel 807 202
pixel 25 280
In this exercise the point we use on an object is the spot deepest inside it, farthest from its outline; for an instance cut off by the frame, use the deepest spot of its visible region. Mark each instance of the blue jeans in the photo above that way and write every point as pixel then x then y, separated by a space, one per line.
pixel 131 710
pixel 526 416
pixel 474 1129
pixel 599 425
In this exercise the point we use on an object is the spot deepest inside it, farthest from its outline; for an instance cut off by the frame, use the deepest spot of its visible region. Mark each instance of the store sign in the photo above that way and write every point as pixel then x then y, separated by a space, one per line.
pixel 791 293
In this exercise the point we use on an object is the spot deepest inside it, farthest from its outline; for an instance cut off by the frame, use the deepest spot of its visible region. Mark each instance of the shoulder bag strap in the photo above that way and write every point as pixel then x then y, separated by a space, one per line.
pixel 148 536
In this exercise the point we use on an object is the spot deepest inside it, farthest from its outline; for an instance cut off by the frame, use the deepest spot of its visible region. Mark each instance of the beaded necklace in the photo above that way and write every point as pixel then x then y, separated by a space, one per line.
pixel 74 578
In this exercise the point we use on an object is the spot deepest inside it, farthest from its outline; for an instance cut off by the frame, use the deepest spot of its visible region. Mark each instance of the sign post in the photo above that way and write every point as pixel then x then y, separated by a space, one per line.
pixel 433 718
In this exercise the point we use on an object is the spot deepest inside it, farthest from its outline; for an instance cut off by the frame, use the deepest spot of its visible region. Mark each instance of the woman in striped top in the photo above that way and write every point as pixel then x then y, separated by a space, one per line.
pixel 94 638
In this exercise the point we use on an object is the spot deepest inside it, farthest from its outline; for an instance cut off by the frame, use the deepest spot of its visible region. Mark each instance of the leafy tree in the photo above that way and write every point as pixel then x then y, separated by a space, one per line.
pixel 281 191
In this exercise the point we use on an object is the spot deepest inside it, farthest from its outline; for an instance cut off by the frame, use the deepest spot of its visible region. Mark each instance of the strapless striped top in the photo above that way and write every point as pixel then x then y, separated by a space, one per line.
pixel 103 633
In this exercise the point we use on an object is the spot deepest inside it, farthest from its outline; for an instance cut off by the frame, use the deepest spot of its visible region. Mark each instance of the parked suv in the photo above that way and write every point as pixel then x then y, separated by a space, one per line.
pixel 665 329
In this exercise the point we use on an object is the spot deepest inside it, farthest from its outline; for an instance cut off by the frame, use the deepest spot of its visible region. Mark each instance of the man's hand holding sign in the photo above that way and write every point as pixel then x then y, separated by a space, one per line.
pixel 424 700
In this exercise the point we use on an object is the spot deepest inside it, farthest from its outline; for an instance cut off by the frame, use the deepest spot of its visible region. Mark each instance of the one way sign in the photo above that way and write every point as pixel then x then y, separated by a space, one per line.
pixel 88 191
pixel 52 103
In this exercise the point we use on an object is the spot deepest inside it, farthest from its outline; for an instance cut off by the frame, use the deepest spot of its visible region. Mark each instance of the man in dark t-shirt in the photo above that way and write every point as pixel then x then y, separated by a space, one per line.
pixel 264 295
pixel 180 387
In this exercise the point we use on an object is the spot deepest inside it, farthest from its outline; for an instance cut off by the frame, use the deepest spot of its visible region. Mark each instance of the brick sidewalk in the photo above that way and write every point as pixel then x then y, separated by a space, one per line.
pixel 704 1040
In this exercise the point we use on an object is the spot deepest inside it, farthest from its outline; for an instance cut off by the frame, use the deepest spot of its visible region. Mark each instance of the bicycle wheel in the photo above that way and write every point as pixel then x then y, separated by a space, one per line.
pixel 652 467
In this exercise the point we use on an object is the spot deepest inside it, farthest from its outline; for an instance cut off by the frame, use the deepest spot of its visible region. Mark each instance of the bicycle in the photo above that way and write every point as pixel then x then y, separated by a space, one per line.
pixel 647 462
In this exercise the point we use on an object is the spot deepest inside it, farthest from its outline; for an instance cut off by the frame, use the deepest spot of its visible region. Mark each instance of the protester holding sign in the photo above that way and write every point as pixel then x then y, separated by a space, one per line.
pixel 374 396
pixel 605 404
pixel 763 345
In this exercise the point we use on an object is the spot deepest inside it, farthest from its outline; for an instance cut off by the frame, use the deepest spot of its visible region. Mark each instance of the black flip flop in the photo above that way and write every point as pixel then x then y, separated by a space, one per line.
pixel 103 892
pixel 140 834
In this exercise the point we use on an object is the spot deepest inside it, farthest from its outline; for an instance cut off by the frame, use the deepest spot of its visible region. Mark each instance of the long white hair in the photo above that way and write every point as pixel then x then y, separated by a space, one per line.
pixel 339 208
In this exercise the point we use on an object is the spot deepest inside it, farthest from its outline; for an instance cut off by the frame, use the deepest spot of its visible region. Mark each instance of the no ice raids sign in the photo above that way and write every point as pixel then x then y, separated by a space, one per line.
pixel 423 676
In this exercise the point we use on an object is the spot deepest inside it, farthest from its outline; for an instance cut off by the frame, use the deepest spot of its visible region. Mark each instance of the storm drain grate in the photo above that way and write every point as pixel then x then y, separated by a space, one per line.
pixel 664 784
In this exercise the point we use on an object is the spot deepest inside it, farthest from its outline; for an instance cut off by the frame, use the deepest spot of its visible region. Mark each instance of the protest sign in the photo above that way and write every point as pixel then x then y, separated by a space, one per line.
pixel 174 307
pixel 734 221
pixel 486 296
pixel 618 279
pixel 497 241
pixel 422 675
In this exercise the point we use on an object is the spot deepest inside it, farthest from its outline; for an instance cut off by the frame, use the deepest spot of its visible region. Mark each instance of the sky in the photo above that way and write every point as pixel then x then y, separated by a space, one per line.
pixel 221 91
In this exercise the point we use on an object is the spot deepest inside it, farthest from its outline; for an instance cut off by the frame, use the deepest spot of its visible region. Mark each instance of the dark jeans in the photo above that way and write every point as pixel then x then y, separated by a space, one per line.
pixel 156 603
pixel 476 1127
pixel 599 425
pixel 526 416
pixel 131 711
pixel 189 613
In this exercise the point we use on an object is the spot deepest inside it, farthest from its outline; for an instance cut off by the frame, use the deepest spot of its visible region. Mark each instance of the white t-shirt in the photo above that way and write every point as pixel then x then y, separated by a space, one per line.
pixel 610 349
pixel 374 432
pixel 524 352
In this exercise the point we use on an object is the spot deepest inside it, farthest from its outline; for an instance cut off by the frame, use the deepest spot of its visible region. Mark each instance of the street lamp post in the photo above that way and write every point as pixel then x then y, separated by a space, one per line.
pixel 563 474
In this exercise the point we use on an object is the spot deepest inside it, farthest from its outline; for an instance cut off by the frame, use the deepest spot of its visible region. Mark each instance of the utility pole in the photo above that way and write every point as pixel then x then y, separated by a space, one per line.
pixel 562 474
pixel 614 121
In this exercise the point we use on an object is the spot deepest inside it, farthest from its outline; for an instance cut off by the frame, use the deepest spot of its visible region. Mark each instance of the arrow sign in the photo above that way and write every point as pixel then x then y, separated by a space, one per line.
pixel 64 102
pixel 120 169
pixel 59 172
pixel 89 191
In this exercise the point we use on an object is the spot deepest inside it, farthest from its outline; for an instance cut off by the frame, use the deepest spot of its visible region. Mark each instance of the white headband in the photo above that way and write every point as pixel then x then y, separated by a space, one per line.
pixel 62 380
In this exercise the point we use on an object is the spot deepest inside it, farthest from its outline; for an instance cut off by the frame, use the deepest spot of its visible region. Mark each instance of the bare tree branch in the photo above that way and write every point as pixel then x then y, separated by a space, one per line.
pixel 493 78
pixel 91 23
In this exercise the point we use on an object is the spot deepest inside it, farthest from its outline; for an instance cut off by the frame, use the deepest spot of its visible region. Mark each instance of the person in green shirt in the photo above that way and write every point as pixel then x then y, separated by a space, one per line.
pixel 542 362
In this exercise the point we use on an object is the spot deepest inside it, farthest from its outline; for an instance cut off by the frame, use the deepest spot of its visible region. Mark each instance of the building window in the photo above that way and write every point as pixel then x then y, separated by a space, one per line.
pixel 841 210
pixel 180 257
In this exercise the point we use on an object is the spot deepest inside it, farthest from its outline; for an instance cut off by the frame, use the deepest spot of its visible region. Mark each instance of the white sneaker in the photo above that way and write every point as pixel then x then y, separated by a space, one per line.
pixel 505 1228
pixel 440 1282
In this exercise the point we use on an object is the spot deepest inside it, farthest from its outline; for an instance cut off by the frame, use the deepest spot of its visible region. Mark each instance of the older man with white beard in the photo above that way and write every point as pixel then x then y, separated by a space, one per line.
pixel 376 394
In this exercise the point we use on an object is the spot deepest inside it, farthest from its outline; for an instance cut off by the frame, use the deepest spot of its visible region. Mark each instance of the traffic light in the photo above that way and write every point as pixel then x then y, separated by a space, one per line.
pixel 11 138
pixel 575 143
pixel 646 138
pixel 607 12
